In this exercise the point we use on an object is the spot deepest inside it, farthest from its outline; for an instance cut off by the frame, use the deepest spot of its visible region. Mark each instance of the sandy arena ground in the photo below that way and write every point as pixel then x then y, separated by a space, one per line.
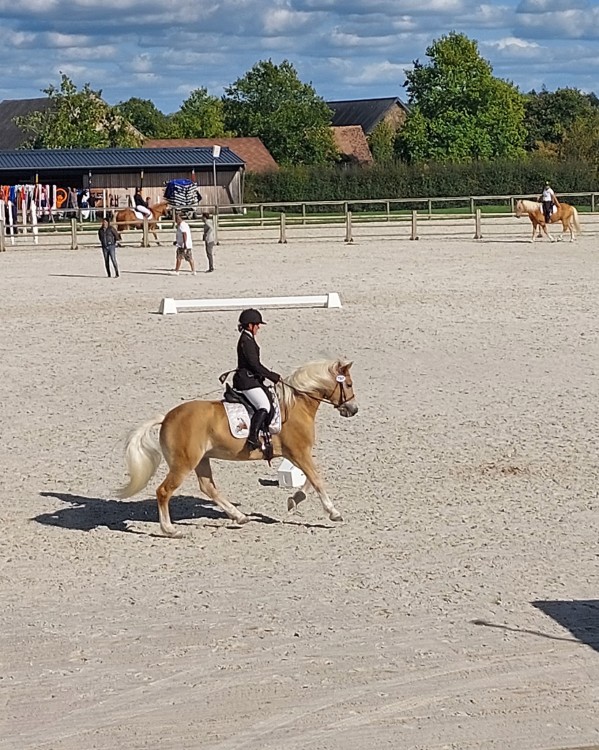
pixel 456 606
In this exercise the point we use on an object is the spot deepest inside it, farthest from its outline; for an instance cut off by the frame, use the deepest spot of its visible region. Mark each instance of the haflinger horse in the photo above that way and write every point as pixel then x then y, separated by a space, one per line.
pixel 127 219
pixel 565 213
pixel 196 431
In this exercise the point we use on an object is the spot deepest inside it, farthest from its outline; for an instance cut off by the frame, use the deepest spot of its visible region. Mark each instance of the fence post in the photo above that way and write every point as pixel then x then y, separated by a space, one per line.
pixel 348 227
pixel 282 233
pixel 478 235
pixel 2 234
pixel 472 206
pixel 145 235
pixel 74 245
pixel 261 215
pixel 512 204
pixel 430 208
pixel 414 235
pixel 303 214
pixel 593 202
pixel 388 211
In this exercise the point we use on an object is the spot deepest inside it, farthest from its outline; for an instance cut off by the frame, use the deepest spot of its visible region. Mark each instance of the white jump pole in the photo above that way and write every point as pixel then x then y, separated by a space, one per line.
pixel 170 306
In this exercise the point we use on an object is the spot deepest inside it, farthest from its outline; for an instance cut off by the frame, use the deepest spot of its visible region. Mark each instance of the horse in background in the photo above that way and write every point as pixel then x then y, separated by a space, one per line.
pixel 564 213
pixel 126 218
pixel 196 431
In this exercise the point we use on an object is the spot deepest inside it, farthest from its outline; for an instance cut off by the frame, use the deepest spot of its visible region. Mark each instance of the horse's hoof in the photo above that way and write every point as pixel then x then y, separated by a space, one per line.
pixel 336 516
pixel 173 533
pixel 241 520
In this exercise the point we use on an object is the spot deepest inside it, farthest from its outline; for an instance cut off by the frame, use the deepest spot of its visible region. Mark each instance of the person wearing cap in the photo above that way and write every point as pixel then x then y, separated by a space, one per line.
pixel 548 199
pixel 251 373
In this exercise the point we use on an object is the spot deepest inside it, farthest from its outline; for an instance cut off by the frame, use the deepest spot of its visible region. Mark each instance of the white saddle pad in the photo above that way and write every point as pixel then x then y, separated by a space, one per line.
pixel 239 419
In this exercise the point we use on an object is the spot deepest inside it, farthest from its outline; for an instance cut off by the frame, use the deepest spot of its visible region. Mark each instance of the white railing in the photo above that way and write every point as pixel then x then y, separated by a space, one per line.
pixel 301 220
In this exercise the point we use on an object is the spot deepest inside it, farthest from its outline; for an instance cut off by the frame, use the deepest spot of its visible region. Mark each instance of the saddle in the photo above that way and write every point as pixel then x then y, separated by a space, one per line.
pixel 239 412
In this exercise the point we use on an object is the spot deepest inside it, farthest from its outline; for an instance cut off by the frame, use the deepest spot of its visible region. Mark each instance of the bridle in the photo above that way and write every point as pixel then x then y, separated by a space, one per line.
pixel 340 383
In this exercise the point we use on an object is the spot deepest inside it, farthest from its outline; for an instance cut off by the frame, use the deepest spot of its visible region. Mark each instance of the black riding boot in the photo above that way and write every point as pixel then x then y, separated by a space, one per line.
pixel 259 417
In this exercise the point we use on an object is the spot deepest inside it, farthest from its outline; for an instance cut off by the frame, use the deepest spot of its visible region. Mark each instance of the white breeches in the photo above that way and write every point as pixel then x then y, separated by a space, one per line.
pixel 258 398
pixel 144 210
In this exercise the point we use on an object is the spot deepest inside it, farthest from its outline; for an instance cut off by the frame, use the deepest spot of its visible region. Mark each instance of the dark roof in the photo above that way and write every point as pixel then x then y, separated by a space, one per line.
pixel 12 136
pixel 365 112
pixel 104 159
pixel 251 149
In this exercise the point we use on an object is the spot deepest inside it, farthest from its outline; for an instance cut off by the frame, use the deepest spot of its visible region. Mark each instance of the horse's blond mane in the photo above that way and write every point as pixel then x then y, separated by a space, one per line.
pixel 530 205
pixel 315 378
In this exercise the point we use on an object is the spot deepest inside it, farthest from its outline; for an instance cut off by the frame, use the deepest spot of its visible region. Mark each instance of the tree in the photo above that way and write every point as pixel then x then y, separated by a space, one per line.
pixel 381 142
pixel 292 121
pixel 549 114
pixel 200 116
pixel 77 119
pixel 581 140
pixel 144 115
pixel 459 110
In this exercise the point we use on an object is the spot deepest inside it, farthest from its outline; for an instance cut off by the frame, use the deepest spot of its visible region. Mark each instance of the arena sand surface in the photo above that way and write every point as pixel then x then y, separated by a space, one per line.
pixel 456 606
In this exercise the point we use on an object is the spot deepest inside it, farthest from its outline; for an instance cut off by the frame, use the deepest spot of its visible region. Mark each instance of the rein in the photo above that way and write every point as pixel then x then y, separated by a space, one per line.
pixel 343 399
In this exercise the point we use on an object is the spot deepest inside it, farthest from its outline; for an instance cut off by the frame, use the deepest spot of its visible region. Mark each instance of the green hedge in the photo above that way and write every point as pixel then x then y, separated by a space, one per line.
pixel 419 181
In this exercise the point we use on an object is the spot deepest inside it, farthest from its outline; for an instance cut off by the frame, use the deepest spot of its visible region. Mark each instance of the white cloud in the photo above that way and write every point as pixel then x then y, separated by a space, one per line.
pixel 346 48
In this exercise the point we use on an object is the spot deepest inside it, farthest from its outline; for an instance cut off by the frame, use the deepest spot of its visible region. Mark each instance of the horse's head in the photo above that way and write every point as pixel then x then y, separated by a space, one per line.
pixel 343 397
pixel 520 211
pixel 160 209
pixel 326 380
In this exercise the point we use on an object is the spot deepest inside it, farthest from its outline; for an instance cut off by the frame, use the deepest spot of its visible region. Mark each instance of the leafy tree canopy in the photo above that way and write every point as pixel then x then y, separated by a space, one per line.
pixel 459 110
pixel 77 119
pixel 200 116
pixel 144 115
pixel 550 114
pixel 292 121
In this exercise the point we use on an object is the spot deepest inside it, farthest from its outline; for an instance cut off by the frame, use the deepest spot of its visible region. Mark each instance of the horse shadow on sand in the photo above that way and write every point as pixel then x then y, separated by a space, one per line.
pixel 579 617
pixel 89 513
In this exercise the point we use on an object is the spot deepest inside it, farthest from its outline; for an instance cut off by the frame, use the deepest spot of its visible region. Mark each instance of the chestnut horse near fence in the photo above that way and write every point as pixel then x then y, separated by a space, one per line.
pixel 196 431
pixel 565 213
pixel 126 219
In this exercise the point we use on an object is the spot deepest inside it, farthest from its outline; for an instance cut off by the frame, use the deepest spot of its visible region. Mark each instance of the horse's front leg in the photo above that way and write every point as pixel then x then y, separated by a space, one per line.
pixel 303 460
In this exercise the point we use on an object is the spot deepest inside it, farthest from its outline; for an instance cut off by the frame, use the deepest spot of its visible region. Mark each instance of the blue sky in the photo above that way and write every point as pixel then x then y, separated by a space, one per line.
pixel 347 49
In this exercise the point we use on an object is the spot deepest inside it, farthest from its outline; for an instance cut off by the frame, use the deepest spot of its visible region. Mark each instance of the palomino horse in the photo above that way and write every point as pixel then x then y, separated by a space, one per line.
pixel 565 213
pixel 196 431
pixel 126 219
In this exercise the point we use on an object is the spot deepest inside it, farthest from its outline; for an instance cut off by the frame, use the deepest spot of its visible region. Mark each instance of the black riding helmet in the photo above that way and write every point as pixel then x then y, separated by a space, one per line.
pixel 250 316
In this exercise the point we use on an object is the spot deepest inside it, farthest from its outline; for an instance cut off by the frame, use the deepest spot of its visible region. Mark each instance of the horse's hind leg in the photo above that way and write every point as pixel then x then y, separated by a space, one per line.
pixel 207 486
pixel 174 479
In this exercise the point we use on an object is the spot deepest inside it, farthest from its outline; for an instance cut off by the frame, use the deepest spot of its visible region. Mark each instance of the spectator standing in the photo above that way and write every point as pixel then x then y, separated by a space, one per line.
pixel 209 238
pixel 184 244
pixel 109 236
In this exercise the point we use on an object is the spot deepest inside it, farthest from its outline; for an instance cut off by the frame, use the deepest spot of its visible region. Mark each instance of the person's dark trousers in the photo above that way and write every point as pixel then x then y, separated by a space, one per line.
pixel 547 210
pixel 110 256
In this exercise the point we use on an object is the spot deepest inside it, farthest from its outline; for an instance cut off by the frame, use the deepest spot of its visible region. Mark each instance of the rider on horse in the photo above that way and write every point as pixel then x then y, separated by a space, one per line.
pixel 250 374
pixel 548 199
pixel 140 204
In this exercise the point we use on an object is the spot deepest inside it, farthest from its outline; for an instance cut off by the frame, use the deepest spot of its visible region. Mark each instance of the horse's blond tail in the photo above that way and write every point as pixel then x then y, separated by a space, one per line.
pixel 142 457
pixel 575 220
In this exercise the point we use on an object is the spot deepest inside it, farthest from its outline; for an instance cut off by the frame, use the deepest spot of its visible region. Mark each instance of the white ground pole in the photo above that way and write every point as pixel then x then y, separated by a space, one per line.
pixel 169 306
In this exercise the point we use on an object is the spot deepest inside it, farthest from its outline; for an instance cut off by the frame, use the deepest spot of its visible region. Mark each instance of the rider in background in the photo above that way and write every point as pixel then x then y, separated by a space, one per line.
pixel 548 199
pixel 140 204
pixel 250 374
